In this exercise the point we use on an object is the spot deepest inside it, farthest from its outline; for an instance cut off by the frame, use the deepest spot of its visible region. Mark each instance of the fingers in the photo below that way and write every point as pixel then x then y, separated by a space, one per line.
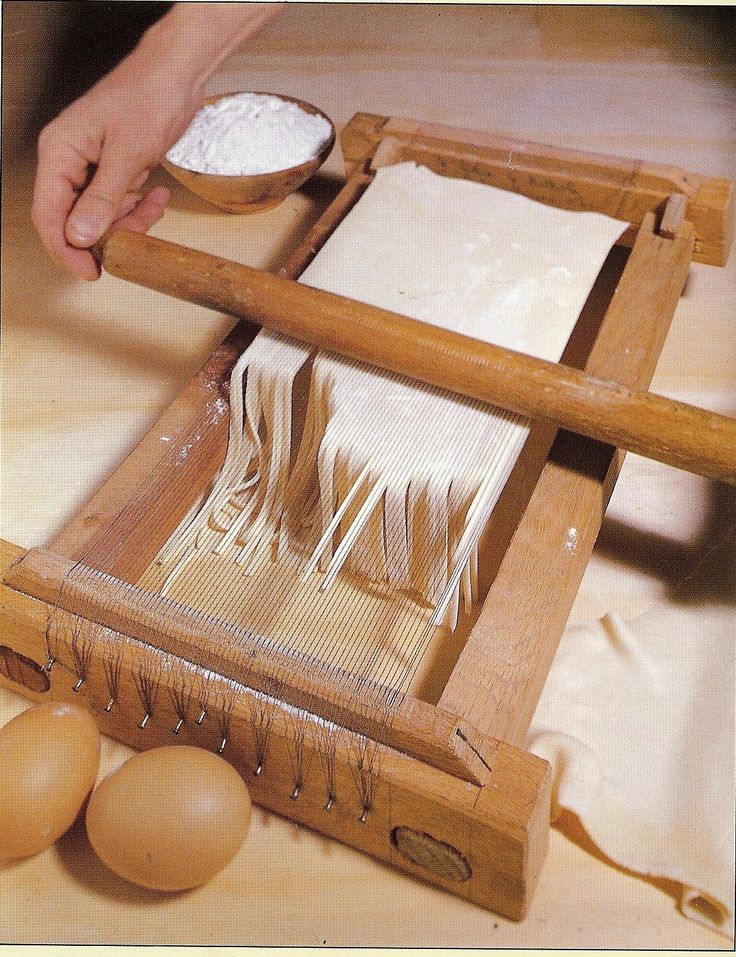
pixel 130 201
pixel 100 204
pixel 50 210
pixel 140 181
pixel 86 182
pixel 70 213
pixel 139 214
pixel 144 214
pixel 62 171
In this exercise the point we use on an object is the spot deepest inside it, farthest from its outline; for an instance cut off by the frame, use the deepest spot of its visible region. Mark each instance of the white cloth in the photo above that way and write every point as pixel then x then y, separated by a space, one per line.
pixel 637 720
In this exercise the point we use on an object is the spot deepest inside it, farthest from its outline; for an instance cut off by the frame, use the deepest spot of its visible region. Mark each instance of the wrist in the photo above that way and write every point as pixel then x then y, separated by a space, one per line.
pixel 193 39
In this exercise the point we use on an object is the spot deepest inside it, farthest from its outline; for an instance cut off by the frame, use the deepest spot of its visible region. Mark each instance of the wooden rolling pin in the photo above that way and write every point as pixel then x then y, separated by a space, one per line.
pixel 659 428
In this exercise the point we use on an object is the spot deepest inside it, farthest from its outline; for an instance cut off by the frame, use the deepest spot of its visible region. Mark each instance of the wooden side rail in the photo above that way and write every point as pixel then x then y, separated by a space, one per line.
pixel 501 671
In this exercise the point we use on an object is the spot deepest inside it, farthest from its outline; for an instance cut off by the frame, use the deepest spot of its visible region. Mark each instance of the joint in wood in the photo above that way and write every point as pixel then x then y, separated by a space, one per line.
pixel 463 737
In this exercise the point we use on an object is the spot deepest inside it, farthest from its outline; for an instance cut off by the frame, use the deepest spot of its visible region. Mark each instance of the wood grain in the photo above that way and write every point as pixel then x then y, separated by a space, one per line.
pixel 571 179
pixel 186 422
pixel 502 669
pixel 401 722
pixel 499 830
pixel 606 410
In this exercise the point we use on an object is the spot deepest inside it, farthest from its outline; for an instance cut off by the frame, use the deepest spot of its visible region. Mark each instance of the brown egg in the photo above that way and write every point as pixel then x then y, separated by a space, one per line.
pixel 169 818
pixel 49 757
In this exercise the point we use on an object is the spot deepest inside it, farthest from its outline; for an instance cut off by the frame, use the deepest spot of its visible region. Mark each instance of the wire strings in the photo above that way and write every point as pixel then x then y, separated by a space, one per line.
pixel 337 539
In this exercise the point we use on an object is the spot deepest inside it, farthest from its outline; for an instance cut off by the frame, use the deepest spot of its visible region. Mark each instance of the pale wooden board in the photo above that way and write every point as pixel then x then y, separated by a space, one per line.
pixel 105 345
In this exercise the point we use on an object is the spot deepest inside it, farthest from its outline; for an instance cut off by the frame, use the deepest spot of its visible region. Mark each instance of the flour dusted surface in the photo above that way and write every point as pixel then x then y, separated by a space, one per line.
pixel 391 480
pixel 250 133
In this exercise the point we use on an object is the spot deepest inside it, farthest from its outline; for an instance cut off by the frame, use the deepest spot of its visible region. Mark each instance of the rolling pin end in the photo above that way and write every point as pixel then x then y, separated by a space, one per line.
pixel 98 249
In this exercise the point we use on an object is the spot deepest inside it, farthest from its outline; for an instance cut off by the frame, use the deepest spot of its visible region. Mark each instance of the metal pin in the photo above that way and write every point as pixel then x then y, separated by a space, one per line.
pixel 49 664
pixel 363 816
pixel 295 793
pixel 330 802
pixel 202 716
pixel 78 685
pixel 258 769
pixel 108 706
pixel 144 722
pixel 178 726
pixel 223 743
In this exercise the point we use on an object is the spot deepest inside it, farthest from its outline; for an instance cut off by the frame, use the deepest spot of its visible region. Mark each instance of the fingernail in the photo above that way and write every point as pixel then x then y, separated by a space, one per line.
pixel 86 231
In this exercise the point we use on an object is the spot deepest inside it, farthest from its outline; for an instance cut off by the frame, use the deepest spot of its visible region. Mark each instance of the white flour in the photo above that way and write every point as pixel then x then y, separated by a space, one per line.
pixel 249 133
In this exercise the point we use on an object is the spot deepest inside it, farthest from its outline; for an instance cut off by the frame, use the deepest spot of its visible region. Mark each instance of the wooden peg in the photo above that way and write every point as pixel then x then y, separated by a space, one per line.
pixel 673 216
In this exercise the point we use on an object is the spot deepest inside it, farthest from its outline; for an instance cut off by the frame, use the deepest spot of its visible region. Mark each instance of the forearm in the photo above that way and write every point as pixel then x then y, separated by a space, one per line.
pixel 193 39
pixel 123 126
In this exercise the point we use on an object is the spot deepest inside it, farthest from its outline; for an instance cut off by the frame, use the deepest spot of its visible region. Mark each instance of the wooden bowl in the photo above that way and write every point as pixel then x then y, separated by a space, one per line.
pixel 252 194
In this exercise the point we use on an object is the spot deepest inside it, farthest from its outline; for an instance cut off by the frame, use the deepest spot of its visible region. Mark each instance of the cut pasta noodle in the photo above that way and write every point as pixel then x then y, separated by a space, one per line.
pixel 391 480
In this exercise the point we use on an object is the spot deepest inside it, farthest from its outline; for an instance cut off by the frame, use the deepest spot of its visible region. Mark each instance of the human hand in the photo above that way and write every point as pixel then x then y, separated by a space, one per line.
pixel 95 157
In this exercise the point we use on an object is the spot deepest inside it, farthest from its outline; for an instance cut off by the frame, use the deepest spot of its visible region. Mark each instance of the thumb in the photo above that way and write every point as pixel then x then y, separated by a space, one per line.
pixel 98 206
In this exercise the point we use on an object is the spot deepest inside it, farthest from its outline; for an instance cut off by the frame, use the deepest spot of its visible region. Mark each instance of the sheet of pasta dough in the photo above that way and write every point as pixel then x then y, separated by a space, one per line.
pixel 401 478
pixel 636 718
pixel 465 256
pixel 486 262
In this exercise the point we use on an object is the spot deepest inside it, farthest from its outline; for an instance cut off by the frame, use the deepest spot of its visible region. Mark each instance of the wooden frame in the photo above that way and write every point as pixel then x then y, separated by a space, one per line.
pixel 571 179
pixel 458 802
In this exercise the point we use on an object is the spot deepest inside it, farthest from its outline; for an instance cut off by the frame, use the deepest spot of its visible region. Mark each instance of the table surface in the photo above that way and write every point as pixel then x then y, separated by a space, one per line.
pixel 88 368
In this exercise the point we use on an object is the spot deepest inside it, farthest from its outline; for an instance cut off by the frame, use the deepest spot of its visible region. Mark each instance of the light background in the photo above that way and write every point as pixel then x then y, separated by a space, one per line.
pixel 88 368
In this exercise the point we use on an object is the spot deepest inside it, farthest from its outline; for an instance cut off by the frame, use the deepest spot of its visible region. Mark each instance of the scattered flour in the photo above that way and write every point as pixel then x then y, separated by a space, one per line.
pixel 249 133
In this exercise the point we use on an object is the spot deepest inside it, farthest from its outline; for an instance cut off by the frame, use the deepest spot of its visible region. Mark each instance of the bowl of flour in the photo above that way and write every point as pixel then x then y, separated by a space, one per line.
pixel 246 152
